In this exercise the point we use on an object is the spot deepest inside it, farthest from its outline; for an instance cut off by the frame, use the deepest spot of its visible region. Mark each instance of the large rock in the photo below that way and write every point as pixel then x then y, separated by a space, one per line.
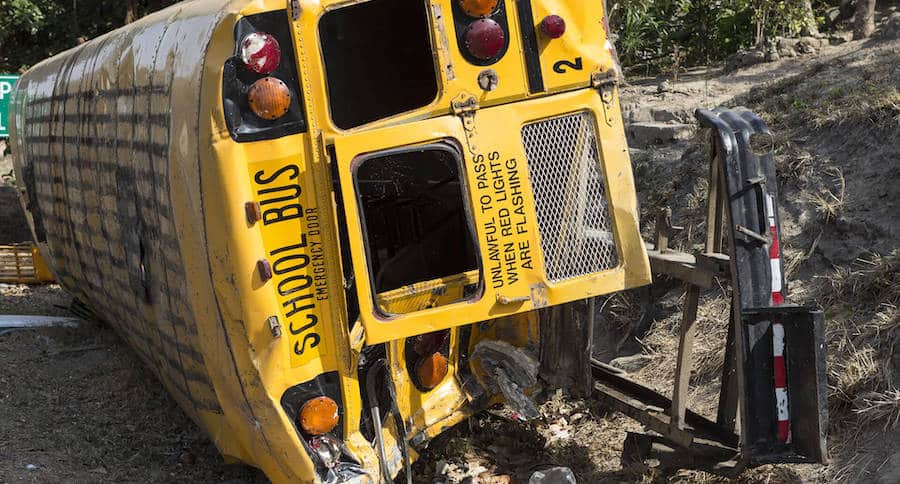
pixel 635 113
pixel 838 38
pixel 814 42
pixel 645 134
pixel 809 45
pixel 671 115
pixel 786 47
pixel 744 58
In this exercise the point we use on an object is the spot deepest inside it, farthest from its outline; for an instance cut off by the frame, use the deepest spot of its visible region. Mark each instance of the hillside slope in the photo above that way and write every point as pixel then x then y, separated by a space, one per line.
pixel 837 126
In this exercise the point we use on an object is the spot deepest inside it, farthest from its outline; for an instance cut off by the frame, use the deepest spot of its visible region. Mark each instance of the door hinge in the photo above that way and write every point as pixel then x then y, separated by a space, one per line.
pixel 605 82
pixel 464 105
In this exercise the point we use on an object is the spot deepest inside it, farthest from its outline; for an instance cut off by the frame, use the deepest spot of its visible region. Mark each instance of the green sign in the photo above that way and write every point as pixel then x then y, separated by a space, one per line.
pixel 6 87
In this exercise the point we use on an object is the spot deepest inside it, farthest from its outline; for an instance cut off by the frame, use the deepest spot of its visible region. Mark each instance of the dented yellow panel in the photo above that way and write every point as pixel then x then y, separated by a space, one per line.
pixel 568 61
pixel 113 142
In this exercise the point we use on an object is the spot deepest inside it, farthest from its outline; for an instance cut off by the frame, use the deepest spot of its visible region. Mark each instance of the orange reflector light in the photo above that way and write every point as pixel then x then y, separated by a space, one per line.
pixel 478 8
pixel 431 370
pixel 269 98
pixel 319 415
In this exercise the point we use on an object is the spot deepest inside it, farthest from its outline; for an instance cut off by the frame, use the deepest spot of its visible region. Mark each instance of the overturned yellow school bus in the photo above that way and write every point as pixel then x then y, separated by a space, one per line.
pixel 327 225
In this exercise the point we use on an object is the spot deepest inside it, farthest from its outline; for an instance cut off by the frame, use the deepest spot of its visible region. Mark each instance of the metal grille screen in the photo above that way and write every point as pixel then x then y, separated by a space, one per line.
pixel 569 195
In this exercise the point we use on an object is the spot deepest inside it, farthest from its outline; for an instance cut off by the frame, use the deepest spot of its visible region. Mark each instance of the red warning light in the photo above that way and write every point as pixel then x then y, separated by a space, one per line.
pixel 485 39
pixel 553 26
pixel 260 52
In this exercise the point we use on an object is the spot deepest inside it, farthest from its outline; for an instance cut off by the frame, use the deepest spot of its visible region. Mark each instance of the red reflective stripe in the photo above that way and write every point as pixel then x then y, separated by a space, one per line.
pixel 775 254
pixel 774 248
pixel 784 430
pixel 780 373
pixel 778 363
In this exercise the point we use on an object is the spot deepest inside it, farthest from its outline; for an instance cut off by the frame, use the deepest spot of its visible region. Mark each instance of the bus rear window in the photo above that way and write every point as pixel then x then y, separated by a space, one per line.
pixel 414 216
pixel 378 60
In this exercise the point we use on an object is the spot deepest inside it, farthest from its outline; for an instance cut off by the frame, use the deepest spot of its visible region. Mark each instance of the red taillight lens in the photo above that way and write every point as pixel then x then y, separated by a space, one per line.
pixel 553 26
pixel 426 344
pixel 260 52
pixel 328 449
pixel 485 39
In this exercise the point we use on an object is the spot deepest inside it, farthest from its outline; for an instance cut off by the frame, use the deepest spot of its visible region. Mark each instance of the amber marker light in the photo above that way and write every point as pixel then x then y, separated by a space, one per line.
pixel 269 98
pixel 319 415
pixel 478 8
pixel 431 370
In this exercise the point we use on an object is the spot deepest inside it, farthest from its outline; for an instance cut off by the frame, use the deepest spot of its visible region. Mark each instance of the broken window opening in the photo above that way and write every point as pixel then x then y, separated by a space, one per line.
pixel 378 60
pixel 415 220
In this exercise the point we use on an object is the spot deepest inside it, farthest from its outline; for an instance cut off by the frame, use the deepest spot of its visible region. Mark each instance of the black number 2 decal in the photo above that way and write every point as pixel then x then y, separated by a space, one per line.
pixel 560 66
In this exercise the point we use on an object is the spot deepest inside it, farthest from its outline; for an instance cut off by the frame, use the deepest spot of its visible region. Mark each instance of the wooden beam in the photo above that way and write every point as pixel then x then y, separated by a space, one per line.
pixel 685 356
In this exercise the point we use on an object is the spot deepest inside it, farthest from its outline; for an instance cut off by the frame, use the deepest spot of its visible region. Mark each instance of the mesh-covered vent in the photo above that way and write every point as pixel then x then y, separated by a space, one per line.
pixel 569 195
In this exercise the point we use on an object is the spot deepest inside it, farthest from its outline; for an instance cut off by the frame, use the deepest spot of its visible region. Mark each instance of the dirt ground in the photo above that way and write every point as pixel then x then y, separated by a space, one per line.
pixel 76 405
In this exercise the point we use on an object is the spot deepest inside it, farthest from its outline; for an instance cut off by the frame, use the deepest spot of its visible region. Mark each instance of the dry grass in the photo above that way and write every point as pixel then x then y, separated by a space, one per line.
pixel 792 163
pixel 864 332
pixel 829 203
pixel 840 94
pixel 857 371
pixel 877 407
pixel 869 282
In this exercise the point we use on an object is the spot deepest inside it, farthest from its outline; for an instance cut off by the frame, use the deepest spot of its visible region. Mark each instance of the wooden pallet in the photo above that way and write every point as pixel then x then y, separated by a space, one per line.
pixel 22 264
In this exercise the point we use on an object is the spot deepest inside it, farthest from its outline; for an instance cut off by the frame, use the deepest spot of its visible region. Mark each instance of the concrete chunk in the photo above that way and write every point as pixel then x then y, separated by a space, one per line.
pixel 654 133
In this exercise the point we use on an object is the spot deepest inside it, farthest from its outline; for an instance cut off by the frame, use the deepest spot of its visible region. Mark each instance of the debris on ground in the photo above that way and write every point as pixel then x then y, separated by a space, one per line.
pixel 553 475
pixel 13 322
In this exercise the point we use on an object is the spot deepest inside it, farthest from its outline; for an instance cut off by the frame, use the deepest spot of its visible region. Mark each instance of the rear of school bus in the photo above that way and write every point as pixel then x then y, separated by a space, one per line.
pixel 465 162
pixel 368 203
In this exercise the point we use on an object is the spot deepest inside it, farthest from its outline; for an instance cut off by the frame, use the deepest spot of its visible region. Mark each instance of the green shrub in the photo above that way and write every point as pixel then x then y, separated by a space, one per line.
pixel 655 34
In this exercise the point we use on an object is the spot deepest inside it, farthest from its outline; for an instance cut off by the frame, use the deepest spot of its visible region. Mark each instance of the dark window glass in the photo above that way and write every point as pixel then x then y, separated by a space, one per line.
pixel 378 60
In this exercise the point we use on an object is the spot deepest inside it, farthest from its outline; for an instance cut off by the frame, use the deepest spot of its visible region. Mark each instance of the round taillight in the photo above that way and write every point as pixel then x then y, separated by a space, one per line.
pixel 269 98
pixel 431 370
pixel 426 344
pixel 553 26
pixel 318 415
pixel 260 52
pixel 478 8
pixel 485 39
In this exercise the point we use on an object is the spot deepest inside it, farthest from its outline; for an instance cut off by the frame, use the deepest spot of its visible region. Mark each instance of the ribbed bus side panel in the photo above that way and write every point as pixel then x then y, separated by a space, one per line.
pixel 93 141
